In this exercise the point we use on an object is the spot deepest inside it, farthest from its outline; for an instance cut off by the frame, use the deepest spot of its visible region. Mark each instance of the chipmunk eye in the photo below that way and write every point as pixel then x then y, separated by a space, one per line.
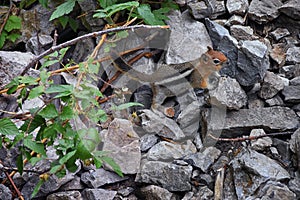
pixel 216 61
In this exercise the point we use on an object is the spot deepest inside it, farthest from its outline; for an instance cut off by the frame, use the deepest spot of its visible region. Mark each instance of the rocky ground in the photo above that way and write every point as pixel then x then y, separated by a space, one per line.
pixel 201 150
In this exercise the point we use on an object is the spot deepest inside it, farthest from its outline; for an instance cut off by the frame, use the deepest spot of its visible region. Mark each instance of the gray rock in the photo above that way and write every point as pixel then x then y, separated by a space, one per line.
pixel 74 184
pixel 126 191
pixel 161 125
pixel 242 32
pixel 228 93
pixel 294 185
pixel 272 84
pixel 170 176
pixel 209 8
pixel 275 101
pixel 291 8
pixel 225 43
pixel 294 146
pixel 250 166
pixel 99 177
pixel 186 34
pixel 68 195
pixel 54 183
pixel 290 71
pixel 5 192
pixel 278 54
pixel 220 163
pixel 165 151
pixel 272 119
pixel 237 6
pixel 275 190
pixel 235 20
pixel 261 143
pixel 98 194
pixel 295 81
pixel 263 11
pixel 204 193
pixel 189 118
pixel 16 61
pixel 252 63
pixel 291 94
pixel 36 46
pixel 292 55
pixel 148 141
pixel 205 159
pixel 122 143
pixel 280 33
pixel 283 148
pixel 151 192
pixel 83 49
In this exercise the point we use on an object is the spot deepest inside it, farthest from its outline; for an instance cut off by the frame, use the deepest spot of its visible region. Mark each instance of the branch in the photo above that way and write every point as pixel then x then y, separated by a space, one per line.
pixel 83 37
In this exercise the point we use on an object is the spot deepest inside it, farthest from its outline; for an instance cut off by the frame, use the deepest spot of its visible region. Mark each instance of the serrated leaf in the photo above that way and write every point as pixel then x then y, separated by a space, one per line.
pixel 37 188
pixel 44 75
pixel 122 34
pixel 35 92
pixel 35 146
pixel 66 157
pixel 48 63
pixel 13 36
pixel 63 20
pixel 145 12
pixel 19 163
pixel 49 112
pixel 100 15
pixel 102 115
pixel 34 160
pixel 13 22
pixel 126 105
pixel 37 121
pixel 63 9
pixel 3 38
pixel 7 127
pixel 113 164
pixel 59 88
pixel 98 163
pixel 66 113
pixel 28 80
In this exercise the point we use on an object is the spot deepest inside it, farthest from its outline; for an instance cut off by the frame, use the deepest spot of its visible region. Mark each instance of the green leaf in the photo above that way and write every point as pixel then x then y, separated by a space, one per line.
pixel 106 3
pixel 7 127
pixel 66 157
pixel 102 115
pixel 63 20
pixel 44 3
pixel 63 52
pixel 48 63
pixel 82 151
pixel 55 169
pixel 73 24
pixel 12 89
pixel 100 14
pixel 110 10
pixel 126 105
pixel 44 75
pixel 13 36
pixel 35 146
pixel 3 38
pixel 145 12
pixel 13 22
pixel 63 9
pixel 90 138
pixel 37 121
pixel 59 89
pixel 34 160
pixel 37 188
pixel 93 68
pixel 98 162
pixel 113 164
pixel 28 80
pixel 122 34
pixel 35 92
pixel 66 113
pixel 49 112
pixel 19 163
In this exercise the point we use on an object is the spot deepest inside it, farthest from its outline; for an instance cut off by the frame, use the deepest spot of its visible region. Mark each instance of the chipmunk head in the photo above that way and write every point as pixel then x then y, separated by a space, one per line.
pixel 218 57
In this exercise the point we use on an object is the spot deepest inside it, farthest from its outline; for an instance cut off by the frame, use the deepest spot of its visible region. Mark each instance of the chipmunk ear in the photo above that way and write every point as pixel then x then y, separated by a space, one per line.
pixel 209 48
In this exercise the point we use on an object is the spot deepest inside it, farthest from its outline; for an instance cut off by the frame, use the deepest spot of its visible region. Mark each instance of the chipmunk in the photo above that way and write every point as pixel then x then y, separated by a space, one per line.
pixel 200 70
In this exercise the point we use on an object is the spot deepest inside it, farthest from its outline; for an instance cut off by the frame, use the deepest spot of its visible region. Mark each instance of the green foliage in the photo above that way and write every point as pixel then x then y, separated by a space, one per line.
pixel 11 30
pixel 63 9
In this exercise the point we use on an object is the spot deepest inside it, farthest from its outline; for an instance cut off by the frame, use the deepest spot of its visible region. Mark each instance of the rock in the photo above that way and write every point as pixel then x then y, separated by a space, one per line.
pixel 54 183
pixel 252 62
pixel 242 32
pixel 228 93
pixel 290 71
pixel 250 166
pixel 74 184
pixel 161 125
pixel 294 185
pixel 203 193
pixel 283 149
pixel 68 195
pixel 225 43
pixel 170 176
pixel 165 151
pixel 99 177
pixel 194 35
pixel 235 20
pixel 17 61
pixel 189 118
pixel 98 194
pixel 37 46
pixel 148 141
pixel 5 192
pixel 275 190
pixel 151 192
pixel 294 146
pixel 280 33
pixel 209 8
pixel 295 81
pixel 126 191
pixel 83 49
pixel 203 160
pixel 263 11
pixel 275 101
pixel 292 55
pixel 270 119
pixel 220 163
pixel 237 6
pixel 291 94
pixel 291 8
pixel 272 84
pixel 261 143
pixel 123 145
pixel 278 54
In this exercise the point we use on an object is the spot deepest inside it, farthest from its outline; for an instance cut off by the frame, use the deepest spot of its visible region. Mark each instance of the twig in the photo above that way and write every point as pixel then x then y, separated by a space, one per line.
pixel 83 37
pixel 240 139
pixel 6 17
pixel 14 185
